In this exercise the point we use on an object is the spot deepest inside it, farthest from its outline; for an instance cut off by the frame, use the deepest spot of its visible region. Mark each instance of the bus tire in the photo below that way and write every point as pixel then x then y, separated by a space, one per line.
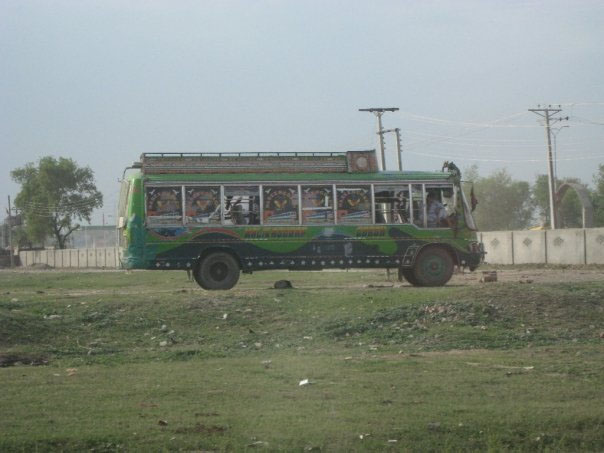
pixel 217 271
pixel 408 275
pixel 433 267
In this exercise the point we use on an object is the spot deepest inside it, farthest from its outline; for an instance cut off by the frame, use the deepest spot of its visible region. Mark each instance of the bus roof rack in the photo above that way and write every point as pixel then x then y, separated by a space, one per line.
pixel 260 162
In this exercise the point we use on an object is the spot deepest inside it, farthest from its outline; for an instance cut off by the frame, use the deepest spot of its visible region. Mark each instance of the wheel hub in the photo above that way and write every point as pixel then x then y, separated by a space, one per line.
pixel 218 271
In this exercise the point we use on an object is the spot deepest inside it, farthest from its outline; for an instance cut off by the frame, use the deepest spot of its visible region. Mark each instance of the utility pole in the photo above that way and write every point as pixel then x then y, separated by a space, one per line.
pixel 378 112
pixel 399 150
pixel 547 113
pixel 555 135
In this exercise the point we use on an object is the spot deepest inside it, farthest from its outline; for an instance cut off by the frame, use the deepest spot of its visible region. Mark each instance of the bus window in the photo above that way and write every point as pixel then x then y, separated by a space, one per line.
pixel 439 205
pixel 354 204
pixel 391 204
pixel 241 205
pixel 280 205
pixel 164 205
pixel 417 202
pixel 202 205
pixel 317 204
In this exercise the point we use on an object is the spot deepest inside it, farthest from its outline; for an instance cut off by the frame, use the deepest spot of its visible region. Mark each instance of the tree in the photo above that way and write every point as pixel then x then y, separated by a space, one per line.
pixel 503 203
pixel 570 211
pixel 53 195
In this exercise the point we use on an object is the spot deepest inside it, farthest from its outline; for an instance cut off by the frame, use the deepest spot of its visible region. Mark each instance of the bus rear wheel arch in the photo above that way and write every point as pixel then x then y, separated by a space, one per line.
pixel 217 271
pixel 433 267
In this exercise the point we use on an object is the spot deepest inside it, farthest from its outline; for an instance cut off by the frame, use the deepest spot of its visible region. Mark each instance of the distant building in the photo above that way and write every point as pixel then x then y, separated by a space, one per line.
pixel 91 236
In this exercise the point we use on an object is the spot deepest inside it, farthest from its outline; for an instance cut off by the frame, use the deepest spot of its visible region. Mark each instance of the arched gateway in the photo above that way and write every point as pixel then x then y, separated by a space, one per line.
pixel 587 209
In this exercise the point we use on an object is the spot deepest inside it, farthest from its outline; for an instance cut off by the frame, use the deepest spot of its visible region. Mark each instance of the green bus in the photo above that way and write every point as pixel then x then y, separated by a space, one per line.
pixel 217 215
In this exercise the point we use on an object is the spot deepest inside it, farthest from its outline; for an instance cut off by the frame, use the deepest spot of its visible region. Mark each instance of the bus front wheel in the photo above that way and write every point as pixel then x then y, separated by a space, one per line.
pixel 433 267
pixel 217 271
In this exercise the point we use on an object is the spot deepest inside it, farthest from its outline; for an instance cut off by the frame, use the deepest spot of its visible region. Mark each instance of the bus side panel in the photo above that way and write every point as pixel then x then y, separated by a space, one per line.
pixel 303 247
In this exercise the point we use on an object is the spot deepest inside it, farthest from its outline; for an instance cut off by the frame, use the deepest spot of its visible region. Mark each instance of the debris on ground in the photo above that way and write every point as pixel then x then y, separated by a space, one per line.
pixel 283 284
pixel 303 382
pixel 488 276
pixel 434 426
pixel 52 317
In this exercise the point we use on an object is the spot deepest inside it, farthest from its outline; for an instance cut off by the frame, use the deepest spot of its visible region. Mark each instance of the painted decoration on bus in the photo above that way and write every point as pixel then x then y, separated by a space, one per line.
pixel 281 205
pixel 202 205
pixel 354 204
pixel 317 204
pixel 164 205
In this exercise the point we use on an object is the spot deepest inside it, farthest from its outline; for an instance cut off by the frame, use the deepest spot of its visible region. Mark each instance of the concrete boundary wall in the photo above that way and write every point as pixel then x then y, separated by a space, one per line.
pixel 566 246
pixel 104 258
pixel 594 245
pixel 529 247
pixel 499 246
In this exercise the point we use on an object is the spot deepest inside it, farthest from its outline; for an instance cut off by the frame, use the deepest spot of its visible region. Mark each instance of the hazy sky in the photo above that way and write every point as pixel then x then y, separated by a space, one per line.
pixel 104 81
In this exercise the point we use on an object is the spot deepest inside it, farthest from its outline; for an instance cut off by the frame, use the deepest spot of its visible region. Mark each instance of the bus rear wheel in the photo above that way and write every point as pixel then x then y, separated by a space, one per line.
pixel 217 271
pixel 433 267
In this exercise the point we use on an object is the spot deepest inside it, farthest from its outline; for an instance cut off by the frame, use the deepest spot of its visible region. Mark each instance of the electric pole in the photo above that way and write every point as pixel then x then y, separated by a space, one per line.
pixel 378 112
pixel 555 132
pixel 399 150
pixel 547 113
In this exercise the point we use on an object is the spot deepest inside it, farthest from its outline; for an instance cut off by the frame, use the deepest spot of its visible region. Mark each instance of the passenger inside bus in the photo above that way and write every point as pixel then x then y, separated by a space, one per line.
pixel 437 215
pixel 241 205
pixel 392 205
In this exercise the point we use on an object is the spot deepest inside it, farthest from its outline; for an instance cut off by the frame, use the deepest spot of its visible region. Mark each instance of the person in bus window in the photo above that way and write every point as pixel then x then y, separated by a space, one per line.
pixel 437 214
pixel 400 211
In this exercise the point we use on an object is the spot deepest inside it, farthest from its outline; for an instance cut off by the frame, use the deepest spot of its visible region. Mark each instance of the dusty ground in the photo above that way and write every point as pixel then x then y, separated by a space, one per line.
pixel 373 278
pixel 533 275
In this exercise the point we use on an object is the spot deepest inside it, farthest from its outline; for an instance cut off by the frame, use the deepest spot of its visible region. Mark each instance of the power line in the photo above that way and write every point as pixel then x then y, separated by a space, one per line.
pixel 475 130
pixel 573 104
pixel 484 139
pixel 586 120
pixel 508 161
pixel 494 124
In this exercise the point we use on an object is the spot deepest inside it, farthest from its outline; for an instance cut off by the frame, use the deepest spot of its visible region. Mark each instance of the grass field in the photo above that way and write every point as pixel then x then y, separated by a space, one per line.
pixel 110 361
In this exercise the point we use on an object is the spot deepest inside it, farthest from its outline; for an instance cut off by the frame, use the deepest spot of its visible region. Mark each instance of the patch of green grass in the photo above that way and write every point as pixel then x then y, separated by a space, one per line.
pixel 484 367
